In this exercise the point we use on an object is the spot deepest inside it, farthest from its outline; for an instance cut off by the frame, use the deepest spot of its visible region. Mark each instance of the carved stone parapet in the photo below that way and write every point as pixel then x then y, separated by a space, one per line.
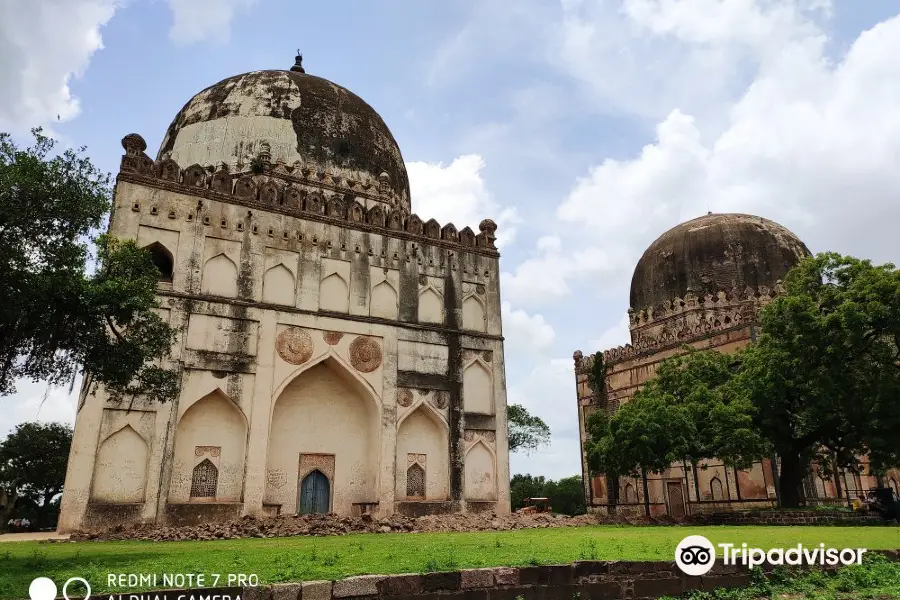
pixel 300 191
pixel 685 320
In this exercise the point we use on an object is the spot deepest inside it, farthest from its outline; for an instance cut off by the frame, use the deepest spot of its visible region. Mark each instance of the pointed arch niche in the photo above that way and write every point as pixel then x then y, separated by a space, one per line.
pixel 278 285
pixel 334 294
pixel 163 260
pixel 423 432
pixel 324 409
pixel 120 471
pixel 716 490
pixel 220 277
pixel 481 473
pixel 474 314
pixel 431 306
pixel 384 301
pixel 212 427
pixel 478 388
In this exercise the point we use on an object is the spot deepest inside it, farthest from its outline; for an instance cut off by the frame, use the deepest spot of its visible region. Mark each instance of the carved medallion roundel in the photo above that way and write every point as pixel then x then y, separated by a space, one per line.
pixel 404 398
pixel 294 346
pixel 365 354
pixel 441 400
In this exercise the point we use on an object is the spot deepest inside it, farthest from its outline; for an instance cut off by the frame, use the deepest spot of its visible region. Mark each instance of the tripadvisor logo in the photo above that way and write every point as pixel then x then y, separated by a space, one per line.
pixel 696 555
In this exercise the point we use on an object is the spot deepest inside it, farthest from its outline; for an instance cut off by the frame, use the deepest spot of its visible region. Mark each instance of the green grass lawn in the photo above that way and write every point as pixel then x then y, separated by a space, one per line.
pixel 306 558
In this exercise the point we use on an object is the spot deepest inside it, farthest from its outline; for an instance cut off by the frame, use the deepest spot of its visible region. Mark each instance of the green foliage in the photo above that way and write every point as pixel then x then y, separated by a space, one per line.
pixel 877 577
pixel 824 373
pixel 525 486
pixel 526 432
pixel 55 319
pixel 596 375
pixel 686 413
pixel 566 495
pixel 820 382
pixel 33 462
pixel 290 559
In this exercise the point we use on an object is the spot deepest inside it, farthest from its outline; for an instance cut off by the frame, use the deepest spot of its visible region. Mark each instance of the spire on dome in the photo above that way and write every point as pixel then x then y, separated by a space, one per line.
pixel 298 63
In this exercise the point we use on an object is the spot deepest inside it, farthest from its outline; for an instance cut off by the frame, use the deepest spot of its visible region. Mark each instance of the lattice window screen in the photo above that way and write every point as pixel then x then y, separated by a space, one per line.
pixel 415 482
pixel 205 480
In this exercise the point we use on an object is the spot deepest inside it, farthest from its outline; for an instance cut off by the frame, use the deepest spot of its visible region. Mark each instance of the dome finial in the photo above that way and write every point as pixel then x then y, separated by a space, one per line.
pixel 298 63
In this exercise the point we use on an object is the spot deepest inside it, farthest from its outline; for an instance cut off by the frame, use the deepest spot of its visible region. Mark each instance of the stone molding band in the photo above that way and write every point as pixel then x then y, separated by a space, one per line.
pixel 324 313
pixel 274 190
pixel 693 319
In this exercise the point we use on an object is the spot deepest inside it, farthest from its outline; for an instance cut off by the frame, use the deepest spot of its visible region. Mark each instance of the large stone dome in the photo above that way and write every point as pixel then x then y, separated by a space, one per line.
pixel 712 253
pixel 301 117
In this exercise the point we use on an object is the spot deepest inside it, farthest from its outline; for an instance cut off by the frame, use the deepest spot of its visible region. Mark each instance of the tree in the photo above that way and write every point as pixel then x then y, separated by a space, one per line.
pixel 566 495
pixel 824 374
pixel 33 462
pixel 55 319
pixel 820 383
pixel 686 414
pixel 525 486
pixel 526 432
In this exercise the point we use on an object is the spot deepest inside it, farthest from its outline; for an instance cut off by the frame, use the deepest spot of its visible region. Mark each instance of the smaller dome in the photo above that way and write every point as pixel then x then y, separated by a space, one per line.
pixel 713 253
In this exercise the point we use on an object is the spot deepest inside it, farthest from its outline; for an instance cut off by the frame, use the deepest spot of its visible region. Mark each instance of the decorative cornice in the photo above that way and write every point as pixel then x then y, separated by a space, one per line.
pixel 283 190
pixel 686 321
pixel 722 300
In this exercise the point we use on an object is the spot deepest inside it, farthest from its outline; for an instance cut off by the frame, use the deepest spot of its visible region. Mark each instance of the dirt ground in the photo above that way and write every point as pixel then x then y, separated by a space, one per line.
pixel 34 536
pixel 318 525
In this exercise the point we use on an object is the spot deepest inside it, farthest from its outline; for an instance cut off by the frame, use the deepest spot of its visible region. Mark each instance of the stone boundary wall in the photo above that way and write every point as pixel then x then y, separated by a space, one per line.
pixel 590 580
pixel 785 517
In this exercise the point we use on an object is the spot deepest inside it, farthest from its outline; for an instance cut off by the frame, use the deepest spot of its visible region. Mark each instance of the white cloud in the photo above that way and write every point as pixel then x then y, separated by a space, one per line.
pixel 524 332
pixel 548 392
pixel 34 402
pixel 647 56
pixel 811 143
pixel 42 46
pixel 456 193
pixel 204 20
pixel 617 335
pixel 546 276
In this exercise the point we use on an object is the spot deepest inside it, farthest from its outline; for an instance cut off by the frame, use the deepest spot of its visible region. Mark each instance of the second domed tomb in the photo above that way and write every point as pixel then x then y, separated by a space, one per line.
pixel 702 284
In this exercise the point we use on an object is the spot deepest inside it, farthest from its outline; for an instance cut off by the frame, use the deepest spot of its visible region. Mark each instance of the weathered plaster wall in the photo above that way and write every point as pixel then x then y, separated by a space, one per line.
pixel 304 331
pixel 422 439
pixel 319 412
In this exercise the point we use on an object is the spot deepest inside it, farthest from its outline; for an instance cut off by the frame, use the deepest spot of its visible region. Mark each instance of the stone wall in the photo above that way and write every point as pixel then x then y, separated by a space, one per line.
pixel 786 517
pixel 613 580
pixel 315 327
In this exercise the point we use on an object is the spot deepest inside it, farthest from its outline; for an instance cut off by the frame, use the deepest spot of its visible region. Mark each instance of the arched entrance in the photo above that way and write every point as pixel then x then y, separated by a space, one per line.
pixel 315 494
pixel 324 420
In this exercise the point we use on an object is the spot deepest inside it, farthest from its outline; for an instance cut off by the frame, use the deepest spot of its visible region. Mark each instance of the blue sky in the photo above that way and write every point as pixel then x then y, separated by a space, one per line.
pixel 586 128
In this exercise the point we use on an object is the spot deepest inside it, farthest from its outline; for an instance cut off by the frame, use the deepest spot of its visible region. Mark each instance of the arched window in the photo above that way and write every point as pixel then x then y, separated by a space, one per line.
pixel 163 260
pixel 630 496
pixel 715 488
pixel 415 481
pixel 204 480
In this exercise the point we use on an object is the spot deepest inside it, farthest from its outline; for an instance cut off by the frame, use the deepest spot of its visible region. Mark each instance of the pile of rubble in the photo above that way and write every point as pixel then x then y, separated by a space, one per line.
pixel 319 525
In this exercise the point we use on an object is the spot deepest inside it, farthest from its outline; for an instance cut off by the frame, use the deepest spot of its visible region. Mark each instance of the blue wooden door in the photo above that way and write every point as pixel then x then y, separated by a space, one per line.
pixel 315 494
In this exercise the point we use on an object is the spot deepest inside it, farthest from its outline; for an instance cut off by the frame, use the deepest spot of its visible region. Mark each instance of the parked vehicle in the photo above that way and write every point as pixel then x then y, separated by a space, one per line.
pixel 535 505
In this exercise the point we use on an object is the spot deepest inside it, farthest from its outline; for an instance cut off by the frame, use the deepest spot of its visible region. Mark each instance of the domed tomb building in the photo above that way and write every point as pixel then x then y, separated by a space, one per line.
pixel 337 352
pixel 702 283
